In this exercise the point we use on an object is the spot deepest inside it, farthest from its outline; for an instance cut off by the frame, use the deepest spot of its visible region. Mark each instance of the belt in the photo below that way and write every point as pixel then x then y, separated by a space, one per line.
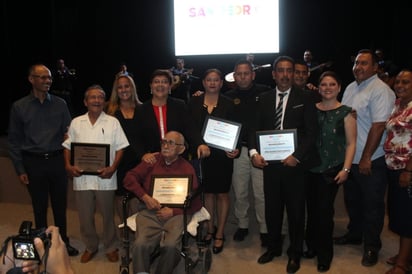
pixel 46 155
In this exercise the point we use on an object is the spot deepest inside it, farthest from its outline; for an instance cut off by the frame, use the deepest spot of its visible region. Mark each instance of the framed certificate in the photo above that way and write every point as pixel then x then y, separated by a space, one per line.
pixel 90 157
pixel 171 190
pixel 276 145
pixel 220 133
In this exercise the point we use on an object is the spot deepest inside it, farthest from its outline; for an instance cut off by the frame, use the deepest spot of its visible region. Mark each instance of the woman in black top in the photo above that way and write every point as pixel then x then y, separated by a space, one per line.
pixel 218 167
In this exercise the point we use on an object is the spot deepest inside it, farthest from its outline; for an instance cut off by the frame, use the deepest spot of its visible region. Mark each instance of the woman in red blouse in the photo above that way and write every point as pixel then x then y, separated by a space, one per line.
pixel 398 149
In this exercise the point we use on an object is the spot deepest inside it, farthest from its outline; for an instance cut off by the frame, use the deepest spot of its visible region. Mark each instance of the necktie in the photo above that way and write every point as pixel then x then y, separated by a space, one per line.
pixel 279 111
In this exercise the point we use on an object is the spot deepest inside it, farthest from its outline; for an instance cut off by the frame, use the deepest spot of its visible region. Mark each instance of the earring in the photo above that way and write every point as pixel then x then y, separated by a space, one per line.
pixel 170 91
pixel 151 92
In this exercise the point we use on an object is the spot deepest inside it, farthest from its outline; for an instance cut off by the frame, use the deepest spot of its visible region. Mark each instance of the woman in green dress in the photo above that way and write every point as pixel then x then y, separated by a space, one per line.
pixel 336 146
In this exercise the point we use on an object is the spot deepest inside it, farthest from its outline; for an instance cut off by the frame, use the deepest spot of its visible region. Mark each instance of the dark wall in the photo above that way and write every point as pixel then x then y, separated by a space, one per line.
pixel 95 36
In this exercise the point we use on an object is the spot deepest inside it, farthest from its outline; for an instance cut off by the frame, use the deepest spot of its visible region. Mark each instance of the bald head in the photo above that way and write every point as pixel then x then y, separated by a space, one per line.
pixel 176 136
pixel 172 145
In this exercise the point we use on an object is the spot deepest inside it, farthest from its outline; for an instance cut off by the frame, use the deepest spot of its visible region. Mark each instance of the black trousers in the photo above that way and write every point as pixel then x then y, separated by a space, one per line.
pixel 285 186
pixel 48 178
pixel 320 200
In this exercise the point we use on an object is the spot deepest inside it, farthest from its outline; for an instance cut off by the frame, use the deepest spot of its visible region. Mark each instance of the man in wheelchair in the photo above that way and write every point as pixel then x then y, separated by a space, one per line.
pixel 160 227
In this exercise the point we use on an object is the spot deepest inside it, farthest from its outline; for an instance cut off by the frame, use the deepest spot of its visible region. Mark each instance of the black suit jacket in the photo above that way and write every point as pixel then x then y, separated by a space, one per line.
pixel 178 119
pixel 300 114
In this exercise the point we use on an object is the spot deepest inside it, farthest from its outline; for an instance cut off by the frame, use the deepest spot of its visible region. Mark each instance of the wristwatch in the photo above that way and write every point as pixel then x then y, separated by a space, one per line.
pixel 347 170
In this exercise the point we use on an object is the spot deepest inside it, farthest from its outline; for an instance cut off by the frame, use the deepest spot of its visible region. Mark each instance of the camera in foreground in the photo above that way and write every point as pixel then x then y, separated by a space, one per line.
pixel 23 244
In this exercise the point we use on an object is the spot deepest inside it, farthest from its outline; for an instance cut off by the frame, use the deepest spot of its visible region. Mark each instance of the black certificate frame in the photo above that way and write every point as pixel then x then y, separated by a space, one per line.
pixel 85 155
pixel 274 134
pixel 159 185
pixel 233 136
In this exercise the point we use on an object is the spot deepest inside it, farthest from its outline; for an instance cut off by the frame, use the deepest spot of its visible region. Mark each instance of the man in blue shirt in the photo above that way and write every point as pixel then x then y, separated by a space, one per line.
pixel 364 192
pixel 38 124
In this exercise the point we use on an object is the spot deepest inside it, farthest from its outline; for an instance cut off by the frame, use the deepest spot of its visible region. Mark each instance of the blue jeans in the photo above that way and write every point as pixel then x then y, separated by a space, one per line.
pixel 364 197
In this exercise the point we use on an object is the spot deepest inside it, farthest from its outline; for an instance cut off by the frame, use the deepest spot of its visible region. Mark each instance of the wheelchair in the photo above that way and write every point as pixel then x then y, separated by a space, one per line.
pixel 197 259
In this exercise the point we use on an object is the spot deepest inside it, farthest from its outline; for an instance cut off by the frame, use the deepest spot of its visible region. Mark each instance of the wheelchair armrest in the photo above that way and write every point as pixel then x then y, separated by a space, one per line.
pixel 128 196
pixel 192 195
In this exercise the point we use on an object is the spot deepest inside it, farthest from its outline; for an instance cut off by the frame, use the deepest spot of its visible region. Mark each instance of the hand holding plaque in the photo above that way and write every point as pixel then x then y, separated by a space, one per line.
pixel 90 157
pixel 220 133
pixel 276 145
pixel 171 190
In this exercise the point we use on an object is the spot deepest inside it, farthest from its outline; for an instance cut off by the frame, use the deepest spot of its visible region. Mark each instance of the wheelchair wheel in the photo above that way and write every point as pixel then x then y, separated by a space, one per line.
pixel 205 258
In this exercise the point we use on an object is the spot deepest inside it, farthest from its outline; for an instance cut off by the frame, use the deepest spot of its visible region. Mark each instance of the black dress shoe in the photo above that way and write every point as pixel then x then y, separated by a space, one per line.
pixel 240 234
pixel 323 267
pixel 293 265
pixel 309 254
pixel 269 255
pixel 71 250
pixel 370 258
pixel 348 239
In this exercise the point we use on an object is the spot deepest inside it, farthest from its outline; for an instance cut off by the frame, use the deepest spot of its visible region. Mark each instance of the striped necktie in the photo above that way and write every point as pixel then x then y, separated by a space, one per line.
pixel 279 110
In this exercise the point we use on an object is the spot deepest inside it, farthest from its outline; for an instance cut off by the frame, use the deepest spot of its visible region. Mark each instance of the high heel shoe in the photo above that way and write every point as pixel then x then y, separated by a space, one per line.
pixel 212 235
pixel 218 249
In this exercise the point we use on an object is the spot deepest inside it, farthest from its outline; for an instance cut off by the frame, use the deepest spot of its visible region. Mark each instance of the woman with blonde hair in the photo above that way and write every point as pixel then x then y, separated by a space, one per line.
pixel 123 99
pixel 123 104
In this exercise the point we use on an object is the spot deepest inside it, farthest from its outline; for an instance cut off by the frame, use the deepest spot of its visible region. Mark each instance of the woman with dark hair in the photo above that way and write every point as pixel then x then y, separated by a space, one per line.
pixel 163 113
pixel 398 158
pixel 336 146
pixel 216 184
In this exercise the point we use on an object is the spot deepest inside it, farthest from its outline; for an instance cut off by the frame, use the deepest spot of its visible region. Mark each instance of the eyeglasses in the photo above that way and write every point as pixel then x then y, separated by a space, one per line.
pixel 44 77
pixel 170 143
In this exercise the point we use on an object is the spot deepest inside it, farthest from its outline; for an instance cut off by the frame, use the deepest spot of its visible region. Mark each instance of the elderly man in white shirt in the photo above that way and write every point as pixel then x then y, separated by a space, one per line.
pixel 95 127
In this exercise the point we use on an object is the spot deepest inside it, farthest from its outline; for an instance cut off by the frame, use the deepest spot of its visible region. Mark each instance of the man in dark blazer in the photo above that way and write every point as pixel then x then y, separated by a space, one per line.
pixel 284 180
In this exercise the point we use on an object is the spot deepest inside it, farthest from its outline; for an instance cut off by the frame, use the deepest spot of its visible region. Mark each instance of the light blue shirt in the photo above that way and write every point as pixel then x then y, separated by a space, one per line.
pixel 373 101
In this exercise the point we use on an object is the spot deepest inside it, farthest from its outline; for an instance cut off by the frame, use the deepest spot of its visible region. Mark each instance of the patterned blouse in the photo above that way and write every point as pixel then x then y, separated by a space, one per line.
pixel 398 143
pixel 331 142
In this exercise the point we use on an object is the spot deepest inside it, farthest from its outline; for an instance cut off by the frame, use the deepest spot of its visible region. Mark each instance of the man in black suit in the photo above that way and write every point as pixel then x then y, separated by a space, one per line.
pixel 284 179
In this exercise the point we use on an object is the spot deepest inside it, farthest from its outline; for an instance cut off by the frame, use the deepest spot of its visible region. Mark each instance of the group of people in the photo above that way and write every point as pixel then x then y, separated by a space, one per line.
pixel 42 136
pixel 377 143
pixel 337 143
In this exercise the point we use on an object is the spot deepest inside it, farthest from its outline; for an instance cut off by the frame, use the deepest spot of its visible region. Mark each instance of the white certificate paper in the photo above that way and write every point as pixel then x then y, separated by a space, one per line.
pixel 171 191
pixel 221 133
pixel 276 145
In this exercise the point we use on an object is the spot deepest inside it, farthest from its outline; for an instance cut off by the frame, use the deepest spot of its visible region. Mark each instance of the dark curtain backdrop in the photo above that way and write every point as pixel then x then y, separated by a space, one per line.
pixel 94 36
